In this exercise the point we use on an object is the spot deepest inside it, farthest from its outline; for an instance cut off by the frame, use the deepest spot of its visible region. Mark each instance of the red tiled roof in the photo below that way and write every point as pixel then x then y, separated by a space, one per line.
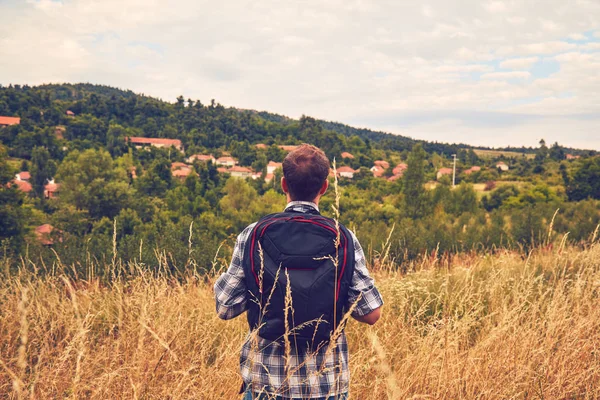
pixel 52 187
pixel 377 170
pixel 24 175
pixel 70 113
pixel 474 168
pixel 240 169
pixel 23 186
pixel 445 171
pixel 269 177
pixel 178 165
pixel 43 232
pixel 345 169
pixel 182 172
pixel 202 157
pixel 261 146
pixel 226 158
pixel 274 164
pixel 345 154
pixel 400 168
pixel 394 178
pixel 222 170
pixel 10 120
pixel 382 163
pixel 165 142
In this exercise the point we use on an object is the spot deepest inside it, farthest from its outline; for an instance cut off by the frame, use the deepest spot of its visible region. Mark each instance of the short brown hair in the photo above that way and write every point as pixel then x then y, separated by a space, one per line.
pixel 305 170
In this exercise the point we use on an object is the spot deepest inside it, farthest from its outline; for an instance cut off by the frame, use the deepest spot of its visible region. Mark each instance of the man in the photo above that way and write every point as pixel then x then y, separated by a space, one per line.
pixel 297 273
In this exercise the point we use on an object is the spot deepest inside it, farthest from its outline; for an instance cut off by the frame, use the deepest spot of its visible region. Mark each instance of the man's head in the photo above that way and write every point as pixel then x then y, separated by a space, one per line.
pixel 305 172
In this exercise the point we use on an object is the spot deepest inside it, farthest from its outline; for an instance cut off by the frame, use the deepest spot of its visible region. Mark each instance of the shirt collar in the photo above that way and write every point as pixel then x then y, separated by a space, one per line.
pixel 301 205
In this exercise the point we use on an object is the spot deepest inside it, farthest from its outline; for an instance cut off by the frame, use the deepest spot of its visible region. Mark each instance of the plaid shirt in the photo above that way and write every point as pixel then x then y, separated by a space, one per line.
pixel 309 375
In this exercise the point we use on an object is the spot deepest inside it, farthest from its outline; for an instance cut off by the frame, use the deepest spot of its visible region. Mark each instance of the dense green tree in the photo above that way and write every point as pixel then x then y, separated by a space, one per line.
pixel 89 181
pixel 415 197
pixel 43 169
pixel 585 182
pixel 12 213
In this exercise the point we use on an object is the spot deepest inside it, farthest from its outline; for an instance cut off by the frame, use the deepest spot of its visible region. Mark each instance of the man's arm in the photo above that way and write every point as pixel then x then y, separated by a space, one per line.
pixel 362 290
pixel 231 294
pixel 370 318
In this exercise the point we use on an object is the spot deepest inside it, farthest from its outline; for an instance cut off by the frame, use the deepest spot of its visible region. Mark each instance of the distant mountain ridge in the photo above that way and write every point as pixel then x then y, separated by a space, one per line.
pixel 79 91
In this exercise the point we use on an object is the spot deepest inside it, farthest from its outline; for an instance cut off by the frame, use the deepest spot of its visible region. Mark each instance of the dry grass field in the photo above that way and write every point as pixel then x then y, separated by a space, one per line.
pixel 503 326
pixel 497 153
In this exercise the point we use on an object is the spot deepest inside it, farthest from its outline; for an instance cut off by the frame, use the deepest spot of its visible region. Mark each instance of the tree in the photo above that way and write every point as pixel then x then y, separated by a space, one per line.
pixel 556 152
pixel 12 213
pixel 43 169
pixel 542 152
pixel 585 182
pixel 90 181
pixel 157 180
pixel 415 197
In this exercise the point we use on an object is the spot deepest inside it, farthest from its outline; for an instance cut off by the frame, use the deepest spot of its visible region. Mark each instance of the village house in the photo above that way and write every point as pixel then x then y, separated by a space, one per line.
pixel 240 172
pixel 474 168
pixel 377 171
pixel 226 161
pixel 182 173
pixel 502 166
pixel 269 177
pixel 177 165
pixel 51 190
pixel 345 154
pixel 383 164
pixel 23 176
pixel 7 121
pixel 201 158
pixel 70 113
pixel 43 234
pixel 399 169
pixel 443 171
pixel 346 172
pixel 261 146
pixel 142 142
pixel 256 175
pixel 23 186
pixel 571 157
pixel 272 166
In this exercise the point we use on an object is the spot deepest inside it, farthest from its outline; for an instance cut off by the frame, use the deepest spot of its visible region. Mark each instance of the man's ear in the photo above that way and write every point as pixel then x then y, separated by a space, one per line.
pixel 284 185
pixel 324 187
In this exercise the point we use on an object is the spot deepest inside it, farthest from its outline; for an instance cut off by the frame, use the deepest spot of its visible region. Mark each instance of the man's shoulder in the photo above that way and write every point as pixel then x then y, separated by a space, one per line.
pixel 243 236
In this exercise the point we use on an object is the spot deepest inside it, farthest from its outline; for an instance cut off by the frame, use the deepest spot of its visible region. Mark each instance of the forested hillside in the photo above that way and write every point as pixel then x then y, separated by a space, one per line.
pixel 79 177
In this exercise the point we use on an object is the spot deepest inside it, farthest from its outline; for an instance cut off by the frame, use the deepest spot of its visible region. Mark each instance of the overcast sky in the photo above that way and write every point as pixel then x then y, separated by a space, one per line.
pixel 492 73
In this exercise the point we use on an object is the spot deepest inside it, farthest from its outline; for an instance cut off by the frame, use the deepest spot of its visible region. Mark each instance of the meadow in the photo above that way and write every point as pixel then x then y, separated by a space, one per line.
pixel 507 325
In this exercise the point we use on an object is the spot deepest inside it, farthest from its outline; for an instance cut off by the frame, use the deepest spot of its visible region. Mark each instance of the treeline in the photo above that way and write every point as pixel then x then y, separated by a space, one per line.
pixel 116 198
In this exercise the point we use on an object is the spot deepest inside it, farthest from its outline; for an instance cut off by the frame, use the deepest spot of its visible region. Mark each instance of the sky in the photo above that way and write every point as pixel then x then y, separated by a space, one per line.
pixel 491 73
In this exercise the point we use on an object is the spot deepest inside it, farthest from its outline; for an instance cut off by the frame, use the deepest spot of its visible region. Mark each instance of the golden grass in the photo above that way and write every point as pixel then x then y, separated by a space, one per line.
pixel 498 153
pixel 506 326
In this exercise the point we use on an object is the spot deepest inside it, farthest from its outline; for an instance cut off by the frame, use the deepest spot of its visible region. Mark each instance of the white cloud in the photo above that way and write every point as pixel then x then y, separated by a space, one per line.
pixel 519 63
pixel 507 75
pixel 339 60
pixel 545 47
pixel 495 6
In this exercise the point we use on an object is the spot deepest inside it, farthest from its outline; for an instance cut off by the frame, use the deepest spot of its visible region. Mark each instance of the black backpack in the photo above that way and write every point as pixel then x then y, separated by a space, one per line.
pixel 303 245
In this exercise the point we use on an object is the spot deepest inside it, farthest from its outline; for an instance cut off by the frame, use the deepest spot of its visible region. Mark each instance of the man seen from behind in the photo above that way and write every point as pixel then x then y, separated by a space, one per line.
pixel 297 274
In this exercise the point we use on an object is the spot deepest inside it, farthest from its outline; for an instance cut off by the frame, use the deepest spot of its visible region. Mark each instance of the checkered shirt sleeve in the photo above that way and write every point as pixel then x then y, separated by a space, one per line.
pixel 231 294
pixel 362 286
